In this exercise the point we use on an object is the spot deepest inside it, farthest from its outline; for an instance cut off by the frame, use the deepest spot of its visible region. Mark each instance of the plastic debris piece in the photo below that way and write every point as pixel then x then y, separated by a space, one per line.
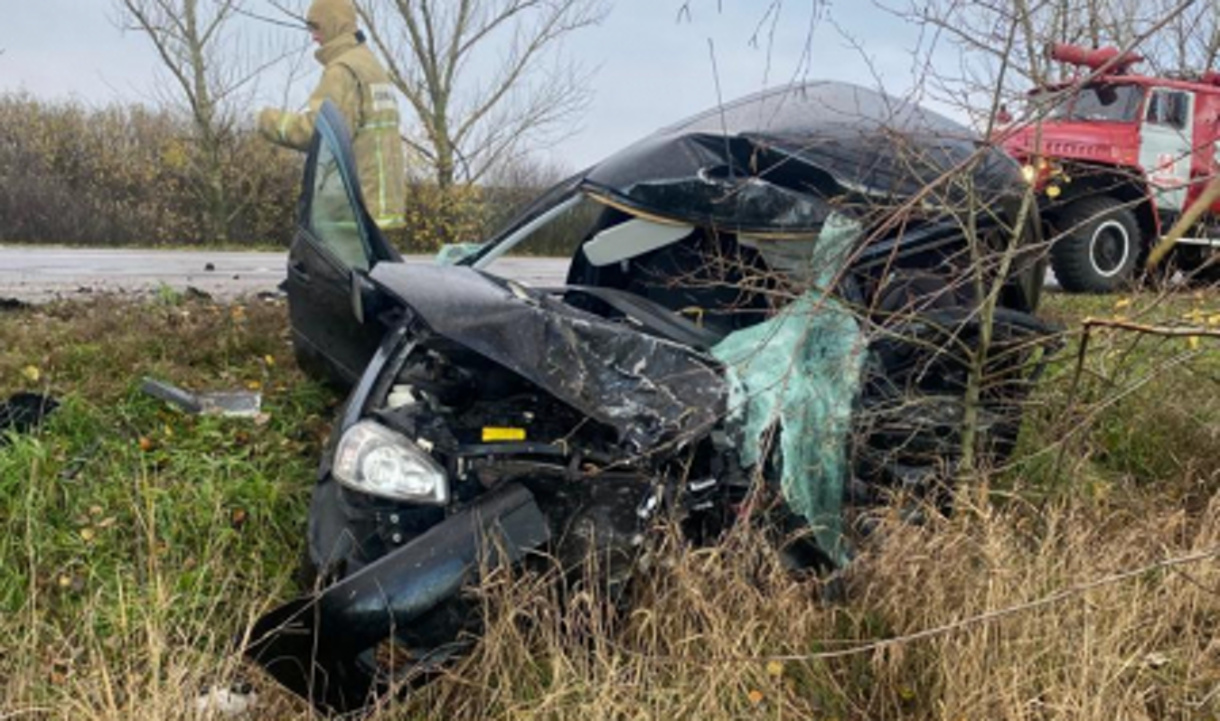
pixel 455 253
pixel 400 396
pixel 23 412
pixel 226 702
pixel 236 404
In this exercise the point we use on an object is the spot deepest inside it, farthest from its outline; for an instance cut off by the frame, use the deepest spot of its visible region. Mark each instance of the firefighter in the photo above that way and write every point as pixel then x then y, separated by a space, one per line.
pixel 354 80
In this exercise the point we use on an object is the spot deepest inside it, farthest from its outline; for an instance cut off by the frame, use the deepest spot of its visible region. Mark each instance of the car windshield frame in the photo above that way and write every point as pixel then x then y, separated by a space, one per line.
pixel 526 221
pixel 518 232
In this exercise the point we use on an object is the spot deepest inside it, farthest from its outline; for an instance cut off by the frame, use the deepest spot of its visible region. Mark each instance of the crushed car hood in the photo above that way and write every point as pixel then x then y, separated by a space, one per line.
pixel 771 163
pixel 650 390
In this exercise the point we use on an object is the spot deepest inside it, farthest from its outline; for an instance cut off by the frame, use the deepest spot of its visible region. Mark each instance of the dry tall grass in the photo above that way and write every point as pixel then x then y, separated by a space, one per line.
pixel 718 633
pixel 714 635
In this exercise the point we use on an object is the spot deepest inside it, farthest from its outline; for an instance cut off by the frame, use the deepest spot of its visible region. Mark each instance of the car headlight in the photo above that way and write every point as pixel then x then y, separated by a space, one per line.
pixel 375 460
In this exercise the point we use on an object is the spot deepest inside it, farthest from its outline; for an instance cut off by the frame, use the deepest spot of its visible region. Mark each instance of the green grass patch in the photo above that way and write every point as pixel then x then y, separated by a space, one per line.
pixel 1136 408
pixel 126 525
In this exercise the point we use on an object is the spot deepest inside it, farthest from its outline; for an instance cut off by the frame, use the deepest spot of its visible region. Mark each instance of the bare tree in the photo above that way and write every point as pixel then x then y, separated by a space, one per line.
pixel 201 48
pixel 1190 43
pixel 470 125
pixel 1186 40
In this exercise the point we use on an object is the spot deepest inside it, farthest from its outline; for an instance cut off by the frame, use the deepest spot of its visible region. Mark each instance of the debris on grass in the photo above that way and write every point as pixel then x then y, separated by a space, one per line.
pixel 231 404
pixel 226 702
pixel 23 412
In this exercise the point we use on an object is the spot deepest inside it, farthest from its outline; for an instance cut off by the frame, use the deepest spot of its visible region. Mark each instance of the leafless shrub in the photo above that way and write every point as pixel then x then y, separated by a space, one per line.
pixel 126 175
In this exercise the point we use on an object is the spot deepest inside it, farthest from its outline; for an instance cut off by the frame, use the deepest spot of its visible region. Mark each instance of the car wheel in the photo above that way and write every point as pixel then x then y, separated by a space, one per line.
pixel 1100 245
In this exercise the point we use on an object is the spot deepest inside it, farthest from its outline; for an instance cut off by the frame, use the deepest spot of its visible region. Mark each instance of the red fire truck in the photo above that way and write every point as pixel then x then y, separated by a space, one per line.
pixel 1116 157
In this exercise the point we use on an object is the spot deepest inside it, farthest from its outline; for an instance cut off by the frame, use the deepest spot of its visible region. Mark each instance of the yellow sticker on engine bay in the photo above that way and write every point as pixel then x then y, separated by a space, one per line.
pixel 501 435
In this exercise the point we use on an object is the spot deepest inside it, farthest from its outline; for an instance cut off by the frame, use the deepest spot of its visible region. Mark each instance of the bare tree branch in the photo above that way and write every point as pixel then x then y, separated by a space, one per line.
pixel 430 47
pixel 198 44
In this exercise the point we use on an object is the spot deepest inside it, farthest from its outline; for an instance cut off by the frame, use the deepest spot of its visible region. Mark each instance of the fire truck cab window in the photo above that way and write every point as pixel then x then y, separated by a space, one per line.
pixel 1099 102
pixel 1168 107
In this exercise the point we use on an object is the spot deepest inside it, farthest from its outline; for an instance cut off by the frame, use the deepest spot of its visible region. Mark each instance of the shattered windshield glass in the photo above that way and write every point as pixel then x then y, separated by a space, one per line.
pixel 799 373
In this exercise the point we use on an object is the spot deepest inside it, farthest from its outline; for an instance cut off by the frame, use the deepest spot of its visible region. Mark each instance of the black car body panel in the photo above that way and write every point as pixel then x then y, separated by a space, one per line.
pixel 780 161
pixel 318 281
pixel 314 646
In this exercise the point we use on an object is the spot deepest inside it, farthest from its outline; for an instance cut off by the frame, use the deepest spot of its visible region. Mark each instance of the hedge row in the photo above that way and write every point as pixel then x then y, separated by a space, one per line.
pixel 124 175
pixel 130 175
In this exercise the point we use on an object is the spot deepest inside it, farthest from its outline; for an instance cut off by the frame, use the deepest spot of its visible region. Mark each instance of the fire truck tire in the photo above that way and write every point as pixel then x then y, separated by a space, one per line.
pixel 1099 247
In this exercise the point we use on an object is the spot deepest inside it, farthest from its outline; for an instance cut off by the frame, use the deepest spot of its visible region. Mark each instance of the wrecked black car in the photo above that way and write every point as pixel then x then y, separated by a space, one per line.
pixel 787 295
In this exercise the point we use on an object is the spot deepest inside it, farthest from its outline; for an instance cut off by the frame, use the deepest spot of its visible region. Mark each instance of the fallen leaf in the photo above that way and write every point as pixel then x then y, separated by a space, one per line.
pixel 775 668
pixel 1122 303
pixel 31 374
pixel 146 444
pixel 87 534
pixel 755 696
pixel 269 360
pixel 1194 342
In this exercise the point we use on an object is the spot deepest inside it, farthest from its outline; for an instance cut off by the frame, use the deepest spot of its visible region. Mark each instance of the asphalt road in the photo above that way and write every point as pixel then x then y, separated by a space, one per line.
pixel 35 275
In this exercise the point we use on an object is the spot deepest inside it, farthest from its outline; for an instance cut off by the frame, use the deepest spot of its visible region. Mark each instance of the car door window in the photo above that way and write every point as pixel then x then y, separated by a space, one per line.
pixel 333 219
pixel 1168 108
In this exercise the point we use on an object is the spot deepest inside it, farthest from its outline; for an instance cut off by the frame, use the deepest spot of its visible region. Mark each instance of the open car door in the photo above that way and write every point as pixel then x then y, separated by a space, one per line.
pixel 335 246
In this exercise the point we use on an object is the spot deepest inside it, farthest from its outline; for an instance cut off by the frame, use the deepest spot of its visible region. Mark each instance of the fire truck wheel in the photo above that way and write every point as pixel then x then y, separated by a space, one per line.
pixel 1099 247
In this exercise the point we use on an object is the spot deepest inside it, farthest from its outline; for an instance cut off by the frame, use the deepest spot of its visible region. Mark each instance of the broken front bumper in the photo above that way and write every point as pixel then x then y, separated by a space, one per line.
pixel 319 647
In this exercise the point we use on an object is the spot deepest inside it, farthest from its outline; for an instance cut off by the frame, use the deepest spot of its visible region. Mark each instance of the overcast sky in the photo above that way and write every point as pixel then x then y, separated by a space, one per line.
pixel 651 68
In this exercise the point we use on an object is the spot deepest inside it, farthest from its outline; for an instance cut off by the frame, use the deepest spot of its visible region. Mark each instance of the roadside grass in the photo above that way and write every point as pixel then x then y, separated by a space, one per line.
pixel 1145 411
pixel 134 540
pixel 137 543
